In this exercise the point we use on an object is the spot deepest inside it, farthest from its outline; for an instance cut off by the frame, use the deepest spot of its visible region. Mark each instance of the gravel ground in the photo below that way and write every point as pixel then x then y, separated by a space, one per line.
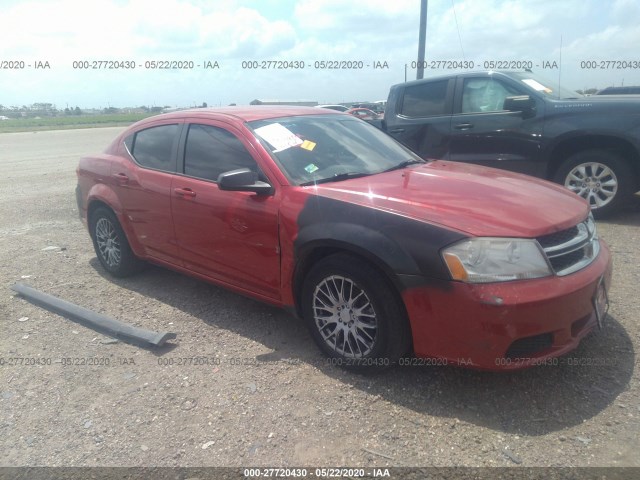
pixel 243 384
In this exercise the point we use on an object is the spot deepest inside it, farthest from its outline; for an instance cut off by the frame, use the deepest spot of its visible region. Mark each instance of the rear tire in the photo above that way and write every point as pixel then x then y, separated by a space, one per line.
pixel 111 244
pixel 602 178
pixel 353 314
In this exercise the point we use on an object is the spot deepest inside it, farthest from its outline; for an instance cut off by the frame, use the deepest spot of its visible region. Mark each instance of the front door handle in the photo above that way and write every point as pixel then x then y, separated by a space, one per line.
pixel 184 192
pixel 397 130
pixel 463 126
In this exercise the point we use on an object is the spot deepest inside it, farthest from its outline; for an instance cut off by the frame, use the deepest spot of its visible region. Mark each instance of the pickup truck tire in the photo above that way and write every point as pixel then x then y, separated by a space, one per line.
pixel 602 178
pixel 111 244
pixel 353 314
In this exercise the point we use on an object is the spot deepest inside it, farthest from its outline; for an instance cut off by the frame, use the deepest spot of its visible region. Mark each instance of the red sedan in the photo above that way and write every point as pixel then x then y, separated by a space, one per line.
pixel 363 113
pixel 382 253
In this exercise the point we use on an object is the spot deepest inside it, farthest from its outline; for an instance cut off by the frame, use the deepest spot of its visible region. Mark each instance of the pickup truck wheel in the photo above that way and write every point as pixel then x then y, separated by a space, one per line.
pixel 353 315
pixel 111 245
pixel 600 177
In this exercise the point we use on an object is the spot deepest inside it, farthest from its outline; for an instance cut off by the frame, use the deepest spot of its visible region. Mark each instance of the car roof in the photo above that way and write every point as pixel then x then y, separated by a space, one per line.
pixel 474 73
pixel 245 114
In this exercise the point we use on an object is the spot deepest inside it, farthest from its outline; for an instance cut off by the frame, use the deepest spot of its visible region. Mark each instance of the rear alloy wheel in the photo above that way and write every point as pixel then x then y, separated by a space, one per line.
pixel 111 245
pixel 353 314
pixel 602 178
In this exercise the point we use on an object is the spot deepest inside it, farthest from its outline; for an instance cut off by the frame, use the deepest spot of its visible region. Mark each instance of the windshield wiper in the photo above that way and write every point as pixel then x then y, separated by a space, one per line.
pixel 336 178
pixel 406 163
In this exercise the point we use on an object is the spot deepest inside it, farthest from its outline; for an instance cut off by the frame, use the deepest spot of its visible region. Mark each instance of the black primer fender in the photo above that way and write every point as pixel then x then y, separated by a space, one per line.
pixel 403 247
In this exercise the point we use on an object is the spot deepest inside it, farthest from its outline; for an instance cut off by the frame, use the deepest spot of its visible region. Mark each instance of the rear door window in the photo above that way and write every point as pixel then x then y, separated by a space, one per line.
pixel 425 100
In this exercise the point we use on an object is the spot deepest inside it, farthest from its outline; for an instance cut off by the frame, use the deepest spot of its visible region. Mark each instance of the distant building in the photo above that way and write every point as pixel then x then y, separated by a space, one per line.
pixel 297 103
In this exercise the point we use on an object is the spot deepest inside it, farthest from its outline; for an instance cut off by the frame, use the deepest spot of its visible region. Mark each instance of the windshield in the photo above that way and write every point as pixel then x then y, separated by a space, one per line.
pixel 320 148
pixel 548 88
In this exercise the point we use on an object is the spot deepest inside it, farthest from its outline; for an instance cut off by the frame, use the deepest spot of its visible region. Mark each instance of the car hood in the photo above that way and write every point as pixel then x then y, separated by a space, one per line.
pixel 614 104
pixel 478 201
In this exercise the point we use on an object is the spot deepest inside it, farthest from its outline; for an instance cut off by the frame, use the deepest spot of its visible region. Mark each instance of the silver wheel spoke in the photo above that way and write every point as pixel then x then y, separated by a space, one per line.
pixel 338 290
pixel 574 177
pixel 332 334
pixel 364 332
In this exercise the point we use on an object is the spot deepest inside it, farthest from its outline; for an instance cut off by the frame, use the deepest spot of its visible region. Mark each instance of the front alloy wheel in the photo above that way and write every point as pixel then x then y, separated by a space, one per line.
pixel 354 313
pixel 603 178
pixel 594 182
pixel 345 317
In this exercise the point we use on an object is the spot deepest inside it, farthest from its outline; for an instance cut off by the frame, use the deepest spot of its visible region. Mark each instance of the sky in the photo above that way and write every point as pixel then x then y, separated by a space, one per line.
pixel 44 44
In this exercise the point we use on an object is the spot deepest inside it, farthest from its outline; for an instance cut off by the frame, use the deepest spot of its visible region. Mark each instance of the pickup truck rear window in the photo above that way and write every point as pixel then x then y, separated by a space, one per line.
pixel 425 100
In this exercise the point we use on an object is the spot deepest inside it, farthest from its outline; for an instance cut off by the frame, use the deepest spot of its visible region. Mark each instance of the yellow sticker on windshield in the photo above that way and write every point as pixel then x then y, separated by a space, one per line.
pixel 307 145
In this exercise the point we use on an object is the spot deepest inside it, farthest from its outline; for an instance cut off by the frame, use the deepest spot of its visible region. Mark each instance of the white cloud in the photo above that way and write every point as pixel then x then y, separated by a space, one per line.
pixel 74 29
pixel 626 12
pixel 230 31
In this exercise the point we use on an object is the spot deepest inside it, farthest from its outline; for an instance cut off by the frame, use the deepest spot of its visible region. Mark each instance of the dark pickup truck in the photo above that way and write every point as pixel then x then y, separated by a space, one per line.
pixel 515 121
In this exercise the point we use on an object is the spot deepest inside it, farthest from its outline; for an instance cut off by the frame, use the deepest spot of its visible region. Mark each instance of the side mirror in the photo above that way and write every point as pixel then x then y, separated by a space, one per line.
pixel 243 180
pixel 520 103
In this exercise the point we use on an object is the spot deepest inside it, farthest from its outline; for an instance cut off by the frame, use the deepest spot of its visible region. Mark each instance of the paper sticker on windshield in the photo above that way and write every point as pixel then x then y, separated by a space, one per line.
pixel 308 145
pixel 311 167
pixel 536 85
pixel 278 136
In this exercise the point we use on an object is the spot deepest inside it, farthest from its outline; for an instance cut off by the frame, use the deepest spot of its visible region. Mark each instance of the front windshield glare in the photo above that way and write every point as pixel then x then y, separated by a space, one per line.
pixel 548 88
pixel 319 148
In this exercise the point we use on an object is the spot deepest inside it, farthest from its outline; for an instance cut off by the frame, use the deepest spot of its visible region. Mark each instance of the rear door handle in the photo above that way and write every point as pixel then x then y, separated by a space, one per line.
pixel 121 178
pixel 463 126
pixel 397 130
pixel 184 192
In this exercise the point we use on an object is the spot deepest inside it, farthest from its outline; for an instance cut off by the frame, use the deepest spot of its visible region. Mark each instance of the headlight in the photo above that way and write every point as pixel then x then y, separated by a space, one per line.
pixel 483 260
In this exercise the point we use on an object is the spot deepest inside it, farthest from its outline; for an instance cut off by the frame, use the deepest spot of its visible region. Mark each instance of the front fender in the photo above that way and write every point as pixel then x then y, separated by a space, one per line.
pixel 359 239
pixel 398 244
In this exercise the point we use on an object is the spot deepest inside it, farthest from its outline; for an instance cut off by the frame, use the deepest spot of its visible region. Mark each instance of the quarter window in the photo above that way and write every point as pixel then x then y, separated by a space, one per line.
pixel 210 151
pixel 153 147
pixel 425 100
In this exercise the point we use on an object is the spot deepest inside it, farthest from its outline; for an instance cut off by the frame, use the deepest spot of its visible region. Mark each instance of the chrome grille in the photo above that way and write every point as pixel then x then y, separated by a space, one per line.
pixel 557 238
pixel 572 249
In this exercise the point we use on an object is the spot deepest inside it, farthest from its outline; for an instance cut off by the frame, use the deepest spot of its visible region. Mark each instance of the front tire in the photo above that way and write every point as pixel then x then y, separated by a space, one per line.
pixel 602 178
pixel 111 244
pixel 353 314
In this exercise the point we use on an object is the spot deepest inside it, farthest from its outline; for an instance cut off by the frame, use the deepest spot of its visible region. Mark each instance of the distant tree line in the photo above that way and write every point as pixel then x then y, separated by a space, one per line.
pixel 588 91
pixel 37 110
pixel 43 109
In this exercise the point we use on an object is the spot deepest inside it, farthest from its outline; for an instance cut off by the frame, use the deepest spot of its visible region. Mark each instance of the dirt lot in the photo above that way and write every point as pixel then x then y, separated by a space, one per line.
pixel 243 384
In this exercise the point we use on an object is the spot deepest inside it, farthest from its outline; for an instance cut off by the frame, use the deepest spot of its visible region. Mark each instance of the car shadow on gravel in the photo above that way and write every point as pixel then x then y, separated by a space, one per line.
pixel 629 214
pixel 534 401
